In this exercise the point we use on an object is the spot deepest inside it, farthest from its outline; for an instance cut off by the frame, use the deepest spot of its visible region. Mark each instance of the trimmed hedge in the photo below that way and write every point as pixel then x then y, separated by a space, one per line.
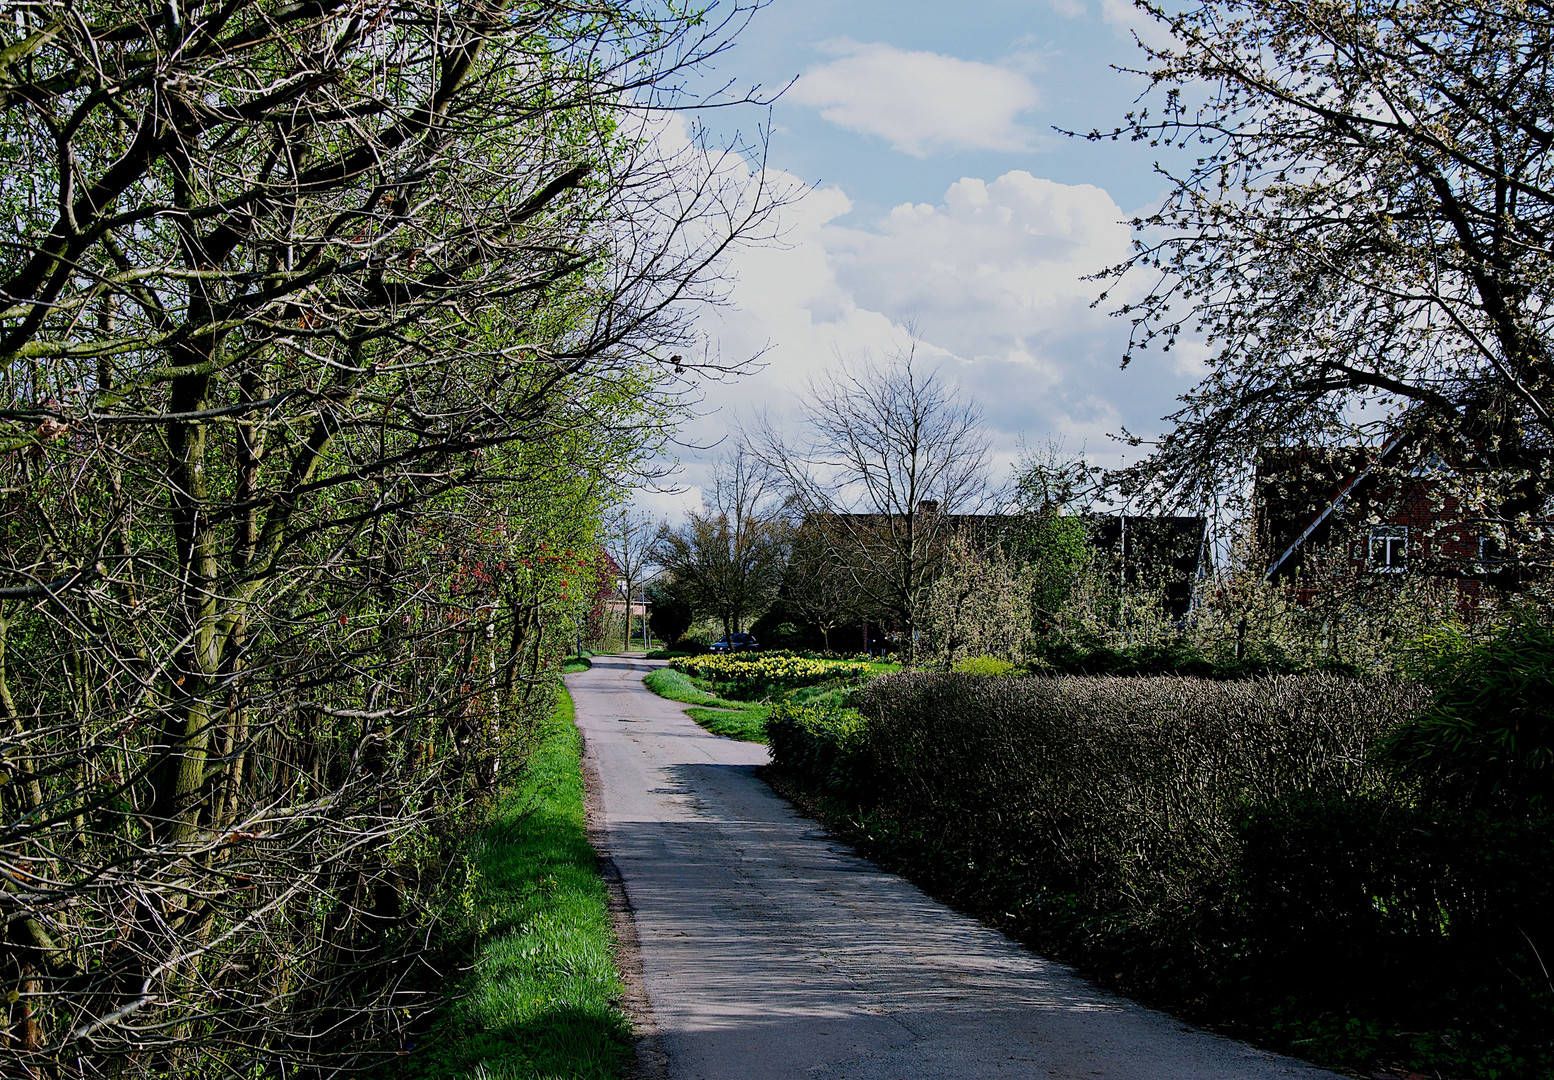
pixel 1229 849
pixel 823 747
pixel 1123 793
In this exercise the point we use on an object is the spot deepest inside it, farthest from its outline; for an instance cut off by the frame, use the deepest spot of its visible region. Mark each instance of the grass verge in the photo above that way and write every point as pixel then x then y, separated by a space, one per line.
pixel 541 999
pixel 676 686
pixel 748 724
pixel 746 720
pixel 743 720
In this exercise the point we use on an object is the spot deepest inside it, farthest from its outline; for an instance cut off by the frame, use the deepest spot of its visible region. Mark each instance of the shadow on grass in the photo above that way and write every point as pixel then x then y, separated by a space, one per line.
pixel 539 995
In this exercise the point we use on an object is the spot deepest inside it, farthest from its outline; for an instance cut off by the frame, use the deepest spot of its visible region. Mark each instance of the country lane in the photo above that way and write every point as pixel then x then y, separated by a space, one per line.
pixel 769 950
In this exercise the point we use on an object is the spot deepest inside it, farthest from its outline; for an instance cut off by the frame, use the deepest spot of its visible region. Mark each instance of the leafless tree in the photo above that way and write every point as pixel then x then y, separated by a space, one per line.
pixel 322 327
pixel 729 555
pixel 891 455
pixel 631 540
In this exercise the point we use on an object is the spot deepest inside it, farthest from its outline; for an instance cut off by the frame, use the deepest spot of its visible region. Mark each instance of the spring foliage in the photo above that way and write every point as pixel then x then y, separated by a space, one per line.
pixel 327 330
pixel 1359 191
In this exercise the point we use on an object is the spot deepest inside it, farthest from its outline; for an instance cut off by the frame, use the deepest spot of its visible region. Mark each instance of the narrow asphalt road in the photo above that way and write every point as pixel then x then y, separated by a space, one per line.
pixel 768 949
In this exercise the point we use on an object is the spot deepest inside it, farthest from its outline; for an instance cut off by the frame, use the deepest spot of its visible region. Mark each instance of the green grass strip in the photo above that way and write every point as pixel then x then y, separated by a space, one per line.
pixel 671 684
pixel 541 1001
pixel 741 720
pixel 746 725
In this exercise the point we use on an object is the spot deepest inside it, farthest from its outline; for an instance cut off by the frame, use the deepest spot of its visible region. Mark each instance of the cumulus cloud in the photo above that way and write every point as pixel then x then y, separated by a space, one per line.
pixel 921 102
pixel 990 278
pixel 995 275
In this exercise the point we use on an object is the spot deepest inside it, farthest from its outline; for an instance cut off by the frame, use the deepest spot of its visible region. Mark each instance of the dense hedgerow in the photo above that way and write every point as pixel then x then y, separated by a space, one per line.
pixel 1234 849
pixel 821 745
pixel 1121 794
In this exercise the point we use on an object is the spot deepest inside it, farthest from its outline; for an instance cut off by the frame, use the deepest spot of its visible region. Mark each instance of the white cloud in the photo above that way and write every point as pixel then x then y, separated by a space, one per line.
pixel 1019 246
pixel 995 275
pixel 991 277
pixel 1125 17
pixel 921 102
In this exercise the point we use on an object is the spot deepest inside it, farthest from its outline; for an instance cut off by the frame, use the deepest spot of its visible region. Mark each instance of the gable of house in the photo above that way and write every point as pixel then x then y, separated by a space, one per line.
pixel 1388 510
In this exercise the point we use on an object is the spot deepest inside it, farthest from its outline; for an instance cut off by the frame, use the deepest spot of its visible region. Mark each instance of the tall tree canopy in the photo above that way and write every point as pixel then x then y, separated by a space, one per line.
pixel 324 328
pixel 1363 195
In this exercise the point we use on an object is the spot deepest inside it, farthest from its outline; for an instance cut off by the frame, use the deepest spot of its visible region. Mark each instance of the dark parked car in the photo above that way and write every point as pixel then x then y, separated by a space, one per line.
pixel 736 643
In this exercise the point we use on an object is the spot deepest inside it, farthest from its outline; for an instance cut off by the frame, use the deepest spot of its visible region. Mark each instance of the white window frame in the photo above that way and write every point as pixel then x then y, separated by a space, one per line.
pixel 1392 541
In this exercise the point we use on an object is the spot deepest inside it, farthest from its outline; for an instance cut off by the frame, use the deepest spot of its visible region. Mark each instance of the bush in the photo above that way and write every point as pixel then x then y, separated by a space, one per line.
pixel 1228 848
pixel 822 749
pixel 1487 738
pixel 1418 918
pixel 1122 794
pixel 983 665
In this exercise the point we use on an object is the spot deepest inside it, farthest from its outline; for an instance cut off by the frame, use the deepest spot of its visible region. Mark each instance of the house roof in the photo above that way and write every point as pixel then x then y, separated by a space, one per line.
pixel 1291 481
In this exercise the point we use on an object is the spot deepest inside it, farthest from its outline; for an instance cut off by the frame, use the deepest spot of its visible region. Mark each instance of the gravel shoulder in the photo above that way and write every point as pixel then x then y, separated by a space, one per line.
pixel 768 949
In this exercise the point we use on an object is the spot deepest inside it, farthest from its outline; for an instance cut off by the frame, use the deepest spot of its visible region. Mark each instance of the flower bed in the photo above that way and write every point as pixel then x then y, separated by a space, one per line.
pixel 773 669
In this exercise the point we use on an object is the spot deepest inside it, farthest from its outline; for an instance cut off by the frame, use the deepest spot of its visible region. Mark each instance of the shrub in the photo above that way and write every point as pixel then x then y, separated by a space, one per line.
pixel 979 606
pixel 1414 915
pixel 822 749
pixel 1487 738
pixel 1123 793
pixel 984 665
pixel 1228 847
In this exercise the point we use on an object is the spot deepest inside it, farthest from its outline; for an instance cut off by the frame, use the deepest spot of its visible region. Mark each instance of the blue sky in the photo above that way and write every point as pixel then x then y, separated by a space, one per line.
pixel 940 198
pixel 1063 52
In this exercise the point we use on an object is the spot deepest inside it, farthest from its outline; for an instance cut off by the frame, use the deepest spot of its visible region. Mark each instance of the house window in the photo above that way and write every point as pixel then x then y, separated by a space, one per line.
pixel 1389 549
pixel 1489 550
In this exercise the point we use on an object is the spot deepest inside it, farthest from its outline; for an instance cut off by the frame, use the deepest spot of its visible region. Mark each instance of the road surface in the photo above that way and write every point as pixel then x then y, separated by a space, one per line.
pixel 769 950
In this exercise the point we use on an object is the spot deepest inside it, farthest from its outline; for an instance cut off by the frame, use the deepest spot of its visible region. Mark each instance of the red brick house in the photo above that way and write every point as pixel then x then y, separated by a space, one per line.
pixel 1356 511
